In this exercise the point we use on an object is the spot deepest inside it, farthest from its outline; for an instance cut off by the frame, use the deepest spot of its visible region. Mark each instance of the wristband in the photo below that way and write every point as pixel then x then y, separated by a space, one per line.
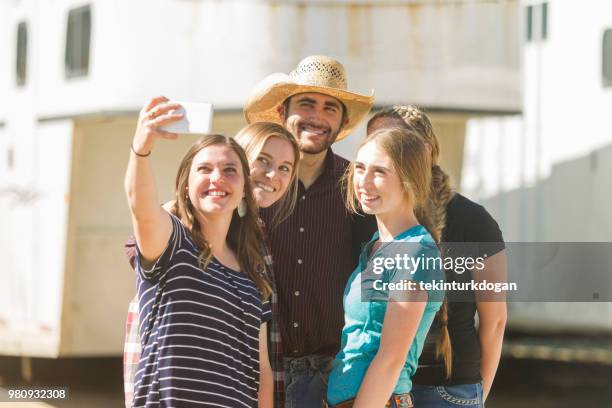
pixel 139 154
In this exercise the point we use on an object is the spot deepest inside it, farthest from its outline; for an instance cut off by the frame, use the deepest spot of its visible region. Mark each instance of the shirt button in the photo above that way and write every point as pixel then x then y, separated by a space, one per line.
pixel 300 261
pixel 301 229
pixel 295 324
pixel 296 293
pixel 303 197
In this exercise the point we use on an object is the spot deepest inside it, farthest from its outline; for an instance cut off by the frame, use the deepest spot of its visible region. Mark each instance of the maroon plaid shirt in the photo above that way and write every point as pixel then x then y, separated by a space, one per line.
pixel 131 351
pixel 275 344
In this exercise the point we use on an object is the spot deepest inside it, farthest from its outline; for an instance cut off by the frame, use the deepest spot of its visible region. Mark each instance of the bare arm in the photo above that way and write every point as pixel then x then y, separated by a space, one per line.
pixel 152 225
pixel 401 322
pixel 266 386
pixel 492 316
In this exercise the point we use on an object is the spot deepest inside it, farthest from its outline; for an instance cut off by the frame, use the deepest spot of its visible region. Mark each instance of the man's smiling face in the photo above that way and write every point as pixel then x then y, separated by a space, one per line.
pixel 314 119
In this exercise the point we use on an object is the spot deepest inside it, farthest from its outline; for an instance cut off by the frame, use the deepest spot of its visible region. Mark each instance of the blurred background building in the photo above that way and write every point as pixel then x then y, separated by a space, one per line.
pixel 546 173
pixel 519 91
pixel 81 70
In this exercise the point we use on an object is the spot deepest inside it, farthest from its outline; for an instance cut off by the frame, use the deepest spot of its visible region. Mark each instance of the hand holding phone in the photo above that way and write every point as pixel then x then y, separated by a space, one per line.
pixel 197 119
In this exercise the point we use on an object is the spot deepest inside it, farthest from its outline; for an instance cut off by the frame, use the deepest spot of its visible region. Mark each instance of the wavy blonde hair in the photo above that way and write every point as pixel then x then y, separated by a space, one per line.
pixel 245 236
pixel 252 138
pixel 413 118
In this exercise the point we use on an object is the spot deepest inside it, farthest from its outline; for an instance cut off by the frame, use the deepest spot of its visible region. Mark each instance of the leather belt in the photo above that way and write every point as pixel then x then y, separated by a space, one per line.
pixel 400 400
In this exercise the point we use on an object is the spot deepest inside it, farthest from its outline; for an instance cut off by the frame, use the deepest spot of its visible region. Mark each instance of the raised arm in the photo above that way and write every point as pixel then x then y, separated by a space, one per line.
pixel 152 225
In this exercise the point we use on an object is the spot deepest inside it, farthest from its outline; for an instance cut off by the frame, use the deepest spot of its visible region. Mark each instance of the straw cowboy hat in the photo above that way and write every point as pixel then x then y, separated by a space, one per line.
pixel 316 73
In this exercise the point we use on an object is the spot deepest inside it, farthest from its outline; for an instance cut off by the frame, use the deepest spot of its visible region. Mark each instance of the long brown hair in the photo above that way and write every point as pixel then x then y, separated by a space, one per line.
pixel 252 138
pixel 244 237
pixel 412 118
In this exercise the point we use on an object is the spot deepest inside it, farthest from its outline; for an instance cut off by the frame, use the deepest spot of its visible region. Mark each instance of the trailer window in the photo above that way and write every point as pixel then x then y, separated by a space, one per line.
pixel 606 59
pixel 78 35
pixel 529 23
pixel 536 22
pixel 544 20
pixel 22 53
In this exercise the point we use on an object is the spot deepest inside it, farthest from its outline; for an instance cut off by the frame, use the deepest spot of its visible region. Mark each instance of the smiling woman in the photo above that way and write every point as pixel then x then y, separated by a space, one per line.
pixel 384 334
pixel 215 184
pixel 457 359
pixel 201 274
pixel 273 155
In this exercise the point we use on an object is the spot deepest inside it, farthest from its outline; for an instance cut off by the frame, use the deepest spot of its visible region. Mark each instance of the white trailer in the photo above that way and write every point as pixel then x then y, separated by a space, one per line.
pixel 84 68
pixel 545 174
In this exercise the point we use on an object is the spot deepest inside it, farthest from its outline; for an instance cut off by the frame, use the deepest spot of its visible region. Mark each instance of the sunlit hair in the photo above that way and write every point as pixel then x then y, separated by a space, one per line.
pixel 245 236
pixel 252 138
pixel 410 161
pixel 412 118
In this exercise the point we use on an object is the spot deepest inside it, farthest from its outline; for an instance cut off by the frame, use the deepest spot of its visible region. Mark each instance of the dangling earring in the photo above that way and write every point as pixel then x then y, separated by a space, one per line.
pixel 242 208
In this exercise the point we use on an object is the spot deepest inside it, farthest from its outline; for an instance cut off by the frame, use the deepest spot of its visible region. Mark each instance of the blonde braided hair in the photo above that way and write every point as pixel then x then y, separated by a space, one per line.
pixel 433 212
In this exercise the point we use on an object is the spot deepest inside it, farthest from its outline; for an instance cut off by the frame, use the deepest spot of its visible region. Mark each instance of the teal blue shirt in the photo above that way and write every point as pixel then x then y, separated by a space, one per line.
pixel 365 303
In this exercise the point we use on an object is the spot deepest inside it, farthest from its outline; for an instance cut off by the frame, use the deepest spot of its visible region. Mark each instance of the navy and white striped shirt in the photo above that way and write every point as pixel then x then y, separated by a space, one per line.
pixel 199 331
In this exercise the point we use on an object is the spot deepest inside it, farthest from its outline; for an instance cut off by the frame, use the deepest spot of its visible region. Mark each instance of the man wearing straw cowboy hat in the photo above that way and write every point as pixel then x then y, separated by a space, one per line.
pixel 316 248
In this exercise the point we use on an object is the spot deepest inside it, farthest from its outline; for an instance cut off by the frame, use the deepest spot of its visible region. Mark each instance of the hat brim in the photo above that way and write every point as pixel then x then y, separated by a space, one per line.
pixel 262 105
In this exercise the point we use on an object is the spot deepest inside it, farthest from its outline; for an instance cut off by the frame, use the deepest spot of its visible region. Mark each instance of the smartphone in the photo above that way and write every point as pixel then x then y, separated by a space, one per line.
pixel 197 119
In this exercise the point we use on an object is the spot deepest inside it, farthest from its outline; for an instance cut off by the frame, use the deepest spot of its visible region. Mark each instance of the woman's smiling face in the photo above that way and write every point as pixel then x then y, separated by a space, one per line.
pixel 216 180
pixel 271 171
pixel 377 186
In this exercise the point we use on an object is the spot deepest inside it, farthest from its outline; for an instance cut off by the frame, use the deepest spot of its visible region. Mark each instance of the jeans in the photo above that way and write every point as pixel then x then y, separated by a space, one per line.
pixel 448 396
pixel 306 381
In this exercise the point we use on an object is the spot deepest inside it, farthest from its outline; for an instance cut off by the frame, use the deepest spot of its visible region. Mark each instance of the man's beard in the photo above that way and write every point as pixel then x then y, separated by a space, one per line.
pixel 314 148
pixel 318 147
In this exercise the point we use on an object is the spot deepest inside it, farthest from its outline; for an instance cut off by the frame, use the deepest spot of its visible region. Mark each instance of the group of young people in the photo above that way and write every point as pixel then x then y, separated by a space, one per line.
pixel 250 282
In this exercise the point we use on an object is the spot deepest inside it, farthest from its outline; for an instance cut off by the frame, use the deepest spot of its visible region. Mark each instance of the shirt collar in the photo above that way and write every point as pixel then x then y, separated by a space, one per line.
pixel 412 231
pixel 328 165
pixel 327 175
